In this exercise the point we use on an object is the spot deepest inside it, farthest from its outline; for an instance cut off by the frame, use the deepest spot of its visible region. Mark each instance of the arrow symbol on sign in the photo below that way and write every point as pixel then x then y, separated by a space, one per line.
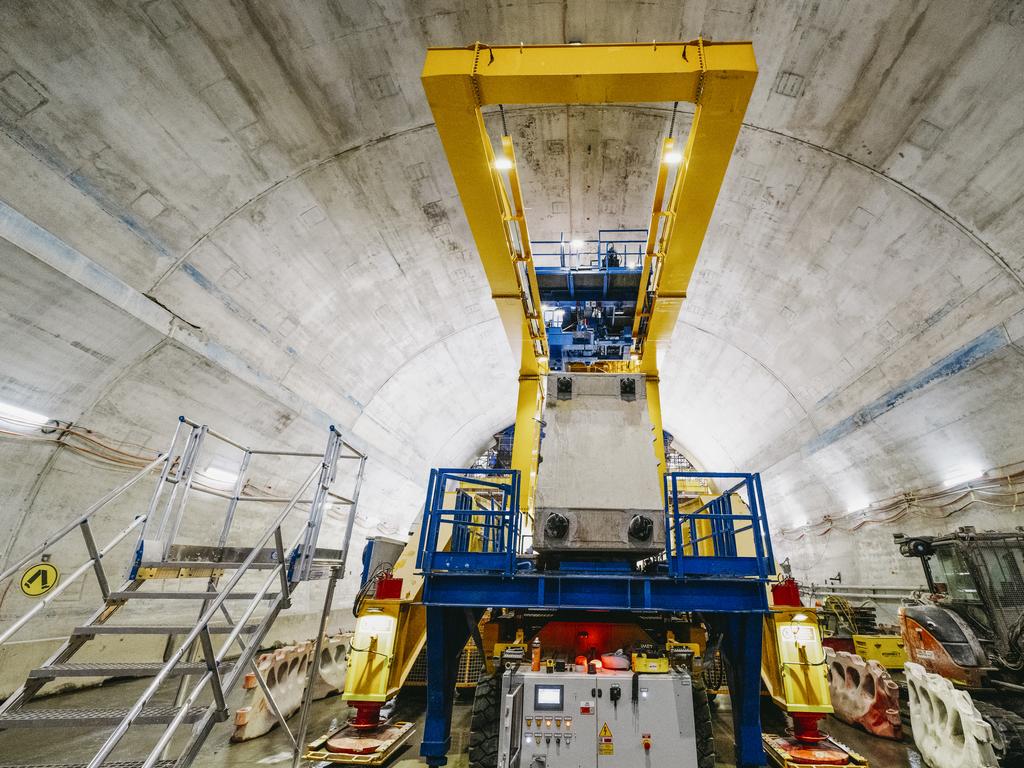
pixel 37 576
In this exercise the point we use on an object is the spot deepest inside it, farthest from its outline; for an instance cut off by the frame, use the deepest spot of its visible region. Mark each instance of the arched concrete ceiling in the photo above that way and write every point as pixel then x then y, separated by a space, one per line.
pixel 268 174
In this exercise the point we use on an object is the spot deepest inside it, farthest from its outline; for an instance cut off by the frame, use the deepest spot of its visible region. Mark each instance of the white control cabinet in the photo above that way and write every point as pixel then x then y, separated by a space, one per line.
pixel 614 719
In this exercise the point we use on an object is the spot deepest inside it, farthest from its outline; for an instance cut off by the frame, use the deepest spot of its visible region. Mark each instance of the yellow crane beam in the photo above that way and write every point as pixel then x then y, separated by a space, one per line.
pixel 717 77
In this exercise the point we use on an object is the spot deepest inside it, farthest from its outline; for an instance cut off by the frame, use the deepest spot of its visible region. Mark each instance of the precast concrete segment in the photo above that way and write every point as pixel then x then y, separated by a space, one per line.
pixel 948 729
pixel 864 694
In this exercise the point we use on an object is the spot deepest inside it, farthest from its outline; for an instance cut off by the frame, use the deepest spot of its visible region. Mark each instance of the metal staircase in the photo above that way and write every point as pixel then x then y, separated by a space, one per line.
pixel 218 649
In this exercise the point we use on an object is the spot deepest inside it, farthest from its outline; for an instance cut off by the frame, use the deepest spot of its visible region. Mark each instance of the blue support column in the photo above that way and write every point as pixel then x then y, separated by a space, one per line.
pixel 447 634
pixel 741 646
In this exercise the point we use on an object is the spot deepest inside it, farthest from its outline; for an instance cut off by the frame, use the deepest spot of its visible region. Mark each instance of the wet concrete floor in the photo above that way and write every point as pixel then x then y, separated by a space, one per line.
pixel 76 745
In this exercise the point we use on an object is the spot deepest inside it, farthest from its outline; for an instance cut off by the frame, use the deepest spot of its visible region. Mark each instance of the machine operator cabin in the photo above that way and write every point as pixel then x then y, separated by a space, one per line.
pixel 512 385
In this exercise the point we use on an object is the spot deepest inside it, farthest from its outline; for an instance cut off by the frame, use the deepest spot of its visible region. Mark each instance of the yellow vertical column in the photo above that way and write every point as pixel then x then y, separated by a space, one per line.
pixel 526 445
pixel 654 409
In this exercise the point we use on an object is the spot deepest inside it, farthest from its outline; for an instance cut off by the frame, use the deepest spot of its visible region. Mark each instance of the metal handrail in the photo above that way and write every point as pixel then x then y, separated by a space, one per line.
pixel 69 580
pixel 84 517
pixel 204 620
pixel 717 510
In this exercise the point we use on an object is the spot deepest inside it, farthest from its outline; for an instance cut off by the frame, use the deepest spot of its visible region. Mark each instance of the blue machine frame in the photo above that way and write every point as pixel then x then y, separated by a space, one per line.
pixel 482 567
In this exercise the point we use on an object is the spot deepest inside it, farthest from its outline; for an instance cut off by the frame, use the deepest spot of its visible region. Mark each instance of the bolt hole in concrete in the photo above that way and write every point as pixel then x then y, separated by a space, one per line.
pixel 273 748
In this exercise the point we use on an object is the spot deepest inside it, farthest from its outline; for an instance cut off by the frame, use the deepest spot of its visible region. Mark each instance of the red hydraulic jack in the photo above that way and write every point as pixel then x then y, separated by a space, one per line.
pixel 806 746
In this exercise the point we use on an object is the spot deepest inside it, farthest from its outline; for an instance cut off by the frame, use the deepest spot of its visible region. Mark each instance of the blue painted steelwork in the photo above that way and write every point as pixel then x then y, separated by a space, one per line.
pixel 625 244
pixel 483 568
pixel 479 511
pixel 588 294
pixel 684 534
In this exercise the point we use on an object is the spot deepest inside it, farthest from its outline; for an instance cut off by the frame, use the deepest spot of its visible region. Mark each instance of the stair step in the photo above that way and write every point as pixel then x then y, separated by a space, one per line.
pixel 107 764
pixel 197 565
pixel 118 596
pixel 87 718
pixel 117 669
pixel 163 629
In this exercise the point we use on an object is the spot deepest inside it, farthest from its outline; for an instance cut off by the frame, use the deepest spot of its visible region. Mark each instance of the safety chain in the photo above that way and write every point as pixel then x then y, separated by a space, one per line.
pixel 703 70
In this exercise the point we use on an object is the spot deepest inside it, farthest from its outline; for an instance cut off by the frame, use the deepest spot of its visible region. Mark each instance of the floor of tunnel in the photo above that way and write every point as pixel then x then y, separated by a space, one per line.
pixel 35 746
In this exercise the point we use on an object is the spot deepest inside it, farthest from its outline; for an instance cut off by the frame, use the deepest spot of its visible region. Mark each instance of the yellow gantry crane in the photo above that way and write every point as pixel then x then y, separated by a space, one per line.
pixel 717 78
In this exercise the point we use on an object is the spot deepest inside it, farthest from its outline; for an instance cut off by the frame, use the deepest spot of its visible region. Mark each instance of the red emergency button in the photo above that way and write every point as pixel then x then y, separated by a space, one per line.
pixel 645 739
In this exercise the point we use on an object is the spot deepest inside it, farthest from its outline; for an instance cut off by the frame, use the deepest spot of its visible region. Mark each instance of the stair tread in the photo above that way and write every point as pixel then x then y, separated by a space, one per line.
pixel 117 668
pixel 107 764
pixel 162 629
pixel 204 564
pixel 87 717
pixel 117 596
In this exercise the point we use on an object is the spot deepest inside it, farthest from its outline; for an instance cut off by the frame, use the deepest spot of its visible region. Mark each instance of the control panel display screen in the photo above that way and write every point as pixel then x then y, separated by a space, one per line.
pixel 547 698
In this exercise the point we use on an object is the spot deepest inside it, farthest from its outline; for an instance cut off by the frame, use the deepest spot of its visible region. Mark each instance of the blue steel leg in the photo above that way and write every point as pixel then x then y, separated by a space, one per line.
pixel 447 633
pixel 741 646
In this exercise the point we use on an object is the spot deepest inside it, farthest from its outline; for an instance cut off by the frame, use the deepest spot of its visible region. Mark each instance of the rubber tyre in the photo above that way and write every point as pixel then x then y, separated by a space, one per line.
pixel 1009 732
pixel 702 726
pixel 483 729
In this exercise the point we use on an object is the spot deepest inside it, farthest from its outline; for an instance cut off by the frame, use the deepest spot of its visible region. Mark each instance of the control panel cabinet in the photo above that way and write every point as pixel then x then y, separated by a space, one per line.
pixel 612 719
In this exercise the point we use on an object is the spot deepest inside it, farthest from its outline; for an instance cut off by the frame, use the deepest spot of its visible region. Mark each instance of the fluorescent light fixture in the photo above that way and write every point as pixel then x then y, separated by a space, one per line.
pixel 503 164
pixel 964 475
pixel 857 504
pixel 673 157
pixel 15 419
pixel 220 477
pixel 577 244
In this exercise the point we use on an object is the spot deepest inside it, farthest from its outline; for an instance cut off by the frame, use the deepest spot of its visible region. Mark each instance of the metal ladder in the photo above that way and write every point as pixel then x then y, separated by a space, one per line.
pixel 206 673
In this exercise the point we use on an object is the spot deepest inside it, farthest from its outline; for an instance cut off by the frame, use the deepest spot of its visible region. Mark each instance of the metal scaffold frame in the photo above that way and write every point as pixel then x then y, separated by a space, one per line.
pixel 216 671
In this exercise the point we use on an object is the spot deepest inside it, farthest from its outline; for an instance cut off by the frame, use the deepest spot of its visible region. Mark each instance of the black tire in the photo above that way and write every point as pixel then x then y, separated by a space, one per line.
pixel 1008 730
pixel 702 725
pixel 483 733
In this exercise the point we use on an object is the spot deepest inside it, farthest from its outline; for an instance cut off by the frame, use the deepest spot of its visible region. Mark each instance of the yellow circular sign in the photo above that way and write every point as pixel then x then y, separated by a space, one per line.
pixel 39 579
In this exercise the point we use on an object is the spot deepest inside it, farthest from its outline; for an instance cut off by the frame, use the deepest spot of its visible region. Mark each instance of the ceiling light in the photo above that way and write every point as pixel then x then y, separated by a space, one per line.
pixel 673 157
pixel 964 475
pixel 577 244
pixel 503 164
pixel 857 504
pixel 15 419
pixel 221 477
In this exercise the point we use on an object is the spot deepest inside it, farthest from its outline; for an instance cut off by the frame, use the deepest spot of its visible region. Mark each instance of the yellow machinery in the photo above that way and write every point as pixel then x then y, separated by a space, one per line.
pixel 887 650
pixel 718 79
pixel 794 672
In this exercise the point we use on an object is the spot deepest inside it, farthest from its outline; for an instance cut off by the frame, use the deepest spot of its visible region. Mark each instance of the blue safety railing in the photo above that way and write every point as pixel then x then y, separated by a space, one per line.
pixel 477 512
pixel 621 249
pixel 719 538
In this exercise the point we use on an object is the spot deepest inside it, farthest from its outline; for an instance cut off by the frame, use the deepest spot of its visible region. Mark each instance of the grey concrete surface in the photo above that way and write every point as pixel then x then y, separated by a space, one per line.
pixel 242 212
pixel 273 748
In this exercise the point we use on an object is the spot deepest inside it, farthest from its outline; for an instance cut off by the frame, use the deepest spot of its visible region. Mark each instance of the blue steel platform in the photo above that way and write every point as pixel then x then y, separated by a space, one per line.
pixel 471 556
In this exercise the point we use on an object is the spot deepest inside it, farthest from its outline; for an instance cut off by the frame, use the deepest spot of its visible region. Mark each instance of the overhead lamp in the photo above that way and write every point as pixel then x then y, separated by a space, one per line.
pixel 222 477
pixel 15 419
pixel 673 157
pixel 503 163
pixel 964 475
pixel 577 244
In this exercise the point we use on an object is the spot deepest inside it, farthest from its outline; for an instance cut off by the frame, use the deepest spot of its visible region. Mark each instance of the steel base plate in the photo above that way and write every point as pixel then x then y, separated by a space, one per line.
pixel 375 749
pixel 787 752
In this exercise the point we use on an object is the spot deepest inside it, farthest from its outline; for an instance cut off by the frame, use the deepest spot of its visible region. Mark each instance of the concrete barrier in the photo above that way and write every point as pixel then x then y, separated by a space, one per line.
pixel 285 671
pixel 948 729
pixel 864 694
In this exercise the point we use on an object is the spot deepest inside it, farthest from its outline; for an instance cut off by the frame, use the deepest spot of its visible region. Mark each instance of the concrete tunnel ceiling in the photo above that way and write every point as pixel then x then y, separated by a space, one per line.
pixel 286 247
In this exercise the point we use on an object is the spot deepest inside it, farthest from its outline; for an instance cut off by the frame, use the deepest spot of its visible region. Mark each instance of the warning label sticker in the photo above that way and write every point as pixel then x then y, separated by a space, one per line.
pixel 39 579
pixel 606 749
pixel 605 732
